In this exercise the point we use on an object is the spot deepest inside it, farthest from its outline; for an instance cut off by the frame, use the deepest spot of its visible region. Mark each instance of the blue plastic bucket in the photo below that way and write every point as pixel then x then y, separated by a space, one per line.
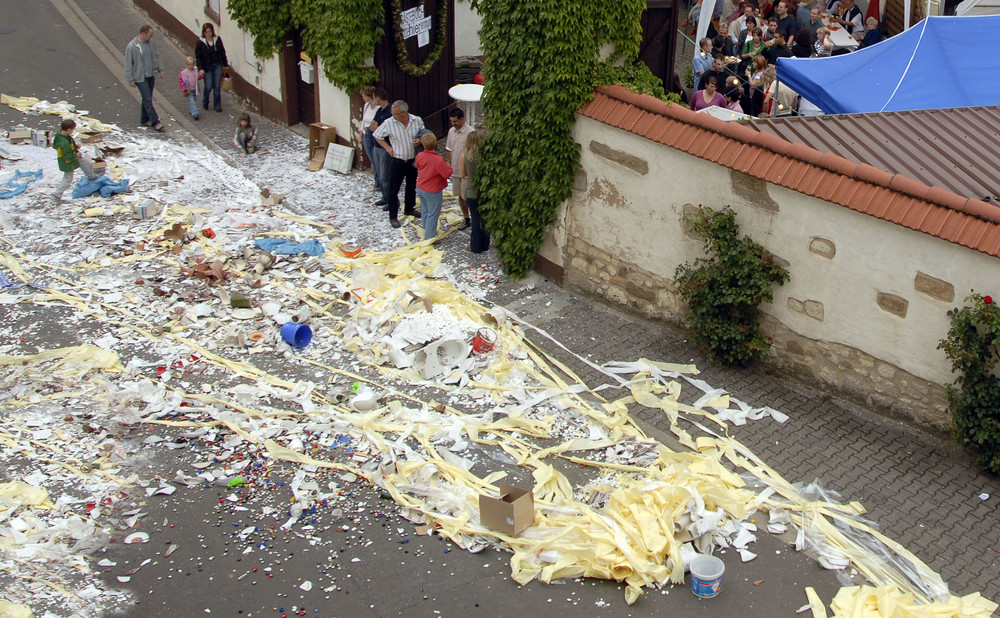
pixel 298 335
pixel 706 576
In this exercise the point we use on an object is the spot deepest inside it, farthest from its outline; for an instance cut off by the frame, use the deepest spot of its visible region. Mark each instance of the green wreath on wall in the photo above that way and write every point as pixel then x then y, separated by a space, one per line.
pixel 402 56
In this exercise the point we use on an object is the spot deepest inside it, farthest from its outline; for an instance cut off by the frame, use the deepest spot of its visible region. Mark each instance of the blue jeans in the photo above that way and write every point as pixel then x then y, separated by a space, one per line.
pixel 213 82
pixel 148 114
pixel 192 104
pixel 368 141
pixel 381 162
pixel 430 210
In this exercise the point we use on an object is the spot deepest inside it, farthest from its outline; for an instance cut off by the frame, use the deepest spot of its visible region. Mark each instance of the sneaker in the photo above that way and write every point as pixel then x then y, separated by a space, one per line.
pixel 415 214
pixel 196 117
pixel 465 224
pixel 205 106
pixel 381 203
pixel 159 127
pixel 394 222
pixel 144 124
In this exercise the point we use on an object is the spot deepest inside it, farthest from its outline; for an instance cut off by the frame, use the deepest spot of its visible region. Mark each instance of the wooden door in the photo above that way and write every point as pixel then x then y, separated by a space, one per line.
pixel 659 38
pixel 427 95
pixel 299 97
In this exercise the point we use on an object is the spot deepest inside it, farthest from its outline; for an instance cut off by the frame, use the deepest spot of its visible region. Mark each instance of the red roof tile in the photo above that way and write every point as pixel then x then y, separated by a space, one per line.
pixel 859 186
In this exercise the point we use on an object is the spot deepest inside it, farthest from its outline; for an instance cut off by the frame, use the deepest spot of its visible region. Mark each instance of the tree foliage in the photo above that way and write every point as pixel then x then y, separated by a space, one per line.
pixel 343 33
pixel 974 397
pixel 541 65
pixel 725 289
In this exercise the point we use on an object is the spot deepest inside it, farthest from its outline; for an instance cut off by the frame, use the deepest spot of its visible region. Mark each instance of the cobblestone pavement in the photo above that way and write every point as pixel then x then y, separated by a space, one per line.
pixel 919 489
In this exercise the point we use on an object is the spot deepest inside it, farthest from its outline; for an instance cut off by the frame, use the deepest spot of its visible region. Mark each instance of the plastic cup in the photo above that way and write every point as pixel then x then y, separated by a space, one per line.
pixel 706 576
pixel 296 335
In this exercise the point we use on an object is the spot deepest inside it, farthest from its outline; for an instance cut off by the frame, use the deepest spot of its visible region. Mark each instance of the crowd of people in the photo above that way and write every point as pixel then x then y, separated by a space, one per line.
pixel 404 154
pixel 734 67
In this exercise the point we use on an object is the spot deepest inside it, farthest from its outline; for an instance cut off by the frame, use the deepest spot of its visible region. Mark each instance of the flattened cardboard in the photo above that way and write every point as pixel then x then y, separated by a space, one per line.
pixel 511 513
pixel 19 135
pixel 318 158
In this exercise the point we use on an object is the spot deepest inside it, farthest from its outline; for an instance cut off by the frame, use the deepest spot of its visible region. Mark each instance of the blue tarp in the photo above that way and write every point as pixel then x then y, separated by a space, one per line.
pixel 288 247
pixel 101 184
pixel 940 62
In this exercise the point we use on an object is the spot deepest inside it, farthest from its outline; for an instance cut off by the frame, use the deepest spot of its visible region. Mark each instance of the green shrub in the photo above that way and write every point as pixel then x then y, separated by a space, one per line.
pixel 974 397
pixel 724 289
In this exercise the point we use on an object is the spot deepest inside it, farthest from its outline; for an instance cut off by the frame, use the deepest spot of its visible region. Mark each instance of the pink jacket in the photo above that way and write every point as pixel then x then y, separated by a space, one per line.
pixel 188 78
pixel 432 172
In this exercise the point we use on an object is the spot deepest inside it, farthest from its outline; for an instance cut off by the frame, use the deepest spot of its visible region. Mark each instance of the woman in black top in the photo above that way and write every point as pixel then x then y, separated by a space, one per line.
pixel 211 57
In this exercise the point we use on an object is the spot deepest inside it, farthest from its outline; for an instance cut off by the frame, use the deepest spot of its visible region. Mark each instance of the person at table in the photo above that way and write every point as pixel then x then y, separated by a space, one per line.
pixel 815 22
pixel 873 34
pixel 770 28
pixel 786 21
pixel 739 30
pixel 777 48
pixel 848 15
pixel 733 96
pixel 754 46
pixel 722 44
pixel 802 16
pixel 709 96
pixel 823 44
pixel 802 46
pixel 702 60
pixel 718 71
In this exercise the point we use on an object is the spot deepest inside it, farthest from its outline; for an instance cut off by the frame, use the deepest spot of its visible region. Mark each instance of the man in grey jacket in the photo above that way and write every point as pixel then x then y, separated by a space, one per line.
pixel 141 62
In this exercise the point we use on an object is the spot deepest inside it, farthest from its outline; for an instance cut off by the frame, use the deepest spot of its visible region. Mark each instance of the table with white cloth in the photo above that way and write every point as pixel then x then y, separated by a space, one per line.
pixel 839 36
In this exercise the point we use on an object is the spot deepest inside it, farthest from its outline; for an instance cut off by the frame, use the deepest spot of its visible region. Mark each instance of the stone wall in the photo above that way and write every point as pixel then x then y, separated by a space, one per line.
pixel 867 300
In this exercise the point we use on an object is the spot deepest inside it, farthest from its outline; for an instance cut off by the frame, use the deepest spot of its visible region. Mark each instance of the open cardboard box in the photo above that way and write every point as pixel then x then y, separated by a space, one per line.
pixel 18 135
pixel 321 135
pixel 511 513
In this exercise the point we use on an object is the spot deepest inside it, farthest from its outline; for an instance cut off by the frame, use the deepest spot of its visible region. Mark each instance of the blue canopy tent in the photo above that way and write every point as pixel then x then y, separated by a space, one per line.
pixel 940 62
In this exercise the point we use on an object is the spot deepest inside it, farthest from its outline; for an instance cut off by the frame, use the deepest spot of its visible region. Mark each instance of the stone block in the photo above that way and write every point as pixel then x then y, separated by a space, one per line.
pixel 823 247
pixel 753 190
pixel 890 303
pixel 580 181
pixel 796 305
pixel 620 157
pixel 638 291
pixel 934 287
pixel 814 309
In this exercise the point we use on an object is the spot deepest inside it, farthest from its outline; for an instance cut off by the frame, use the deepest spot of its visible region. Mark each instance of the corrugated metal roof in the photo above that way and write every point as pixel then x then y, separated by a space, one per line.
pixel 868 187
pixel 955 149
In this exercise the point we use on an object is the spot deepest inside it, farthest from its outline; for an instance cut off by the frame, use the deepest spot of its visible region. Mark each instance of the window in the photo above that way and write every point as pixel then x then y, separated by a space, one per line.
pixel 212 10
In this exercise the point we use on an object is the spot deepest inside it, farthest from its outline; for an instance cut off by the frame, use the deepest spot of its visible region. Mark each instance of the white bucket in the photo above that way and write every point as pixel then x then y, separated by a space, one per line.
pixel 706 576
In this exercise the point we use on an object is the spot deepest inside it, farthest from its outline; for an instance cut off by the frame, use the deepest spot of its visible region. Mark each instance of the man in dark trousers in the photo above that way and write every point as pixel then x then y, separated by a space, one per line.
pixel 141 62
pixel 399 136
pixel 380 158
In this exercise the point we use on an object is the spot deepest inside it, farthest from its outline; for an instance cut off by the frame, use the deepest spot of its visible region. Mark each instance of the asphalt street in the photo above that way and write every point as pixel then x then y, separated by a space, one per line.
pixel 357 555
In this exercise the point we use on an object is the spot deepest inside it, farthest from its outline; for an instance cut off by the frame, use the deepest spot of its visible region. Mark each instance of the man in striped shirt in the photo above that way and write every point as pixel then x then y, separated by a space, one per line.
pixel 398 135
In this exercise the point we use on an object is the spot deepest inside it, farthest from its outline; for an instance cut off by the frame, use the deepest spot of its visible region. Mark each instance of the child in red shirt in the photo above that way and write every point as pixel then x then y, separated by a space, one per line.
pixel 433 173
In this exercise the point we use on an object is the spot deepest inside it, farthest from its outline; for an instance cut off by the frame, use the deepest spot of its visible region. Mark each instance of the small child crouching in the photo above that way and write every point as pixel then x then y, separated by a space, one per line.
pixel 245 137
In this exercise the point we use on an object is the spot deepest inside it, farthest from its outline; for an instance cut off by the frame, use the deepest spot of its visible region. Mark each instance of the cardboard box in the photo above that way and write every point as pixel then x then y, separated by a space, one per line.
pixel 320 136
pixel 89 138
pixel 41 138
pixel 99 167
pixel 19 135
pixel 511 513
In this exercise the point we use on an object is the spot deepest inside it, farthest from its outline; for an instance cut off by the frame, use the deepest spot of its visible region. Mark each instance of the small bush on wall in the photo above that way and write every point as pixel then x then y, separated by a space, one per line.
pixel 974 397
pixel 724 290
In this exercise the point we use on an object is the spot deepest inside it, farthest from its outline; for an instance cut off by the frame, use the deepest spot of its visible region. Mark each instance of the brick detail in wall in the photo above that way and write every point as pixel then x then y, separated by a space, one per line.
pixel 753 190
pixel 808 308
pixel 846 369
pixel 934 287
pixel 859 375
pixel 823 247
pixel 890 303
pixel 620 157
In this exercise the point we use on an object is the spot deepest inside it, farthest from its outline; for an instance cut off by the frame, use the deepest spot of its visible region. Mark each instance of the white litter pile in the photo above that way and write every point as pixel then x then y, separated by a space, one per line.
pixel 171 332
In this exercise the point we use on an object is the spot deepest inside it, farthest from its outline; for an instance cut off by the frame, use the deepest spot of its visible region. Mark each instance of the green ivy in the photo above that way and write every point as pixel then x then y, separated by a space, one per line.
pixel 974 397
pixel 343 33
pixel 724 289
pixel 635 76
pixel 541 66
